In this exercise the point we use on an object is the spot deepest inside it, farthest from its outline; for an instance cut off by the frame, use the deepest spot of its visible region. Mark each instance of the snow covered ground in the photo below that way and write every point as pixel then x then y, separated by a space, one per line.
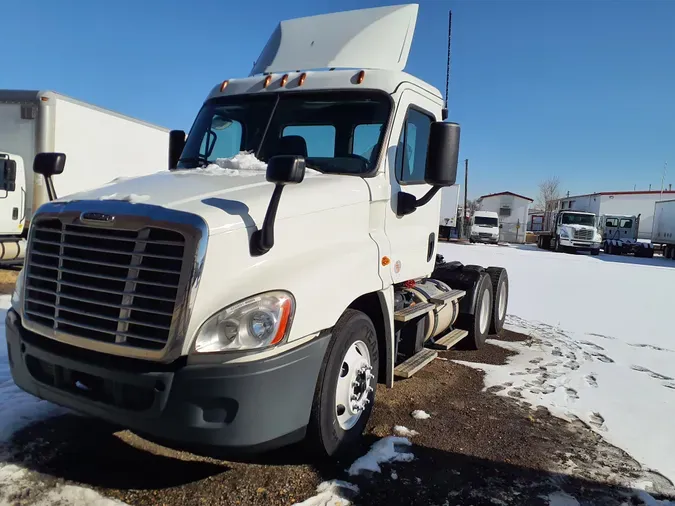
pixel 603 347
pixel 19 410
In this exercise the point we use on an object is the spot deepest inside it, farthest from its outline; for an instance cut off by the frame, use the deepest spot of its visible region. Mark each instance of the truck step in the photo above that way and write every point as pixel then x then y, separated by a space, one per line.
pixel 415 363
pixel 449 340
pixel 447 297
pixel 410 312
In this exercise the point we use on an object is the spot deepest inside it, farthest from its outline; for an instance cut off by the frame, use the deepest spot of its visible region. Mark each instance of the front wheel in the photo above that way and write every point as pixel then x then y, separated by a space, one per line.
pixel 345 391
pixel 595 252
pixel 557 247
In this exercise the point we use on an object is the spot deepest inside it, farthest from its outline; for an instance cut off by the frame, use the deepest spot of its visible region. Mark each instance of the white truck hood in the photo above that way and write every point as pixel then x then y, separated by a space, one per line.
pixel 337 40
pixel 228 199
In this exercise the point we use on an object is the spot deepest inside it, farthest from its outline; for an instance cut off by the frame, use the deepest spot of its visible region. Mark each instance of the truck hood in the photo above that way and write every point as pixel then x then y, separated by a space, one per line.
pixel 229 199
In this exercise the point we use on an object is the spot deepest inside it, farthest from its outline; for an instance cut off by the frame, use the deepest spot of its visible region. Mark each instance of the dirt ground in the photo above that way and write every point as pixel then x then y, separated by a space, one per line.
pixel 476 449
pixel 7 280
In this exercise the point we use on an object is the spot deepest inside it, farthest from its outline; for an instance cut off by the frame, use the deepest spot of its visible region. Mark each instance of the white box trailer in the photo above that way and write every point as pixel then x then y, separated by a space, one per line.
pixel 100 145
pixel 448 217
pixel 664 227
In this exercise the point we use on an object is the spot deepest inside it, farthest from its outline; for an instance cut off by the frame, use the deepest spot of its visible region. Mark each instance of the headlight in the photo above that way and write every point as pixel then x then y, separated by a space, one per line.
pixel 564 233
pixel 18 289
pixel 597 237
pixel 257 322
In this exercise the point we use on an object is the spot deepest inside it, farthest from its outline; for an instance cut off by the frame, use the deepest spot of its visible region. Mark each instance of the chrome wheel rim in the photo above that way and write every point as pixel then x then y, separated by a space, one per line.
pixel 502 301
pixel 484 312
pixel 354 385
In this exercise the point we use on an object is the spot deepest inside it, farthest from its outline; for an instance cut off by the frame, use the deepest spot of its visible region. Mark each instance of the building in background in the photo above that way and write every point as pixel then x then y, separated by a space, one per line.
pixel 513 212
pixel 620 203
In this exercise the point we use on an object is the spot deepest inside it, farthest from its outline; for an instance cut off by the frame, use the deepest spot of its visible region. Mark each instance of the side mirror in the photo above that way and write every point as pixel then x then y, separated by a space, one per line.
pixel 176 145
pixel 7 174
pixel 442 154
pixel 286 169
pixel 281 170
pixel 441 166
pixel 49 164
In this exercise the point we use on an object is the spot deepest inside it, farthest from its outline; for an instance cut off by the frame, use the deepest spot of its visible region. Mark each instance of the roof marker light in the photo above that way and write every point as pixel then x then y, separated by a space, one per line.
pixel 223 86
pixel 268 80
pixel 284 80
pixel 360 77
pixel 301 81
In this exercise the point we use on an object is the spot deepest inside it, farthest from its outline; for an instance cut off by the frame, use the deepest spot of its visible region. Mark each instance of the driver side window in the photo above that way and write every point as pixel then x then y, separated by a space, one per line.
pixel 411 153
pixel 222 140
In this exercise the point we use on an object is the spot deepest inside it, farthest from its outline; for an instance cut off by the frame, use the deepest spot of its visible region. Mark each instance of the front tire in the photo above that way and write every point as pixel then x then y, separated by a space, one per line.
pixel 478 323
pixel 500 291
pixel 345 390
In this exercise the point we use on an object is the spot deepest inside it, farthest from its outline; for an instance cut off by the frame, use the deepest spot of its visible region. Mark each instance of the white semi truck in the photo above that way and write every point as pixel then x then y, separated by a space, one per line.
pixel 255 294
pixel 663 232
pixel 570 231
pixel 100 144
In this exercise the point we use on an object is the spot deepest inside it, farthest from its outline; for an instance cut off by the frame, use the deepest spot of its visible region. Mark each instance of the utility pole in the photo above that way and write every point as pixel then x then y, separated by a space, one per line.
pixel 663 178
pixel 466 184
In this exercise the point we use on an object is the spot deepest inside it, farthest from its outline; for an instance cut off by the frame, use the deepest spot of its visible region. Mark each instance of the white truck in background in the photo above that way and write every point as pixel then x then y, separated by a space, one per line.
pixel 449 205
pixel 663 232
pixel 100 145
pixel 570 231
pixel 485 227
pixel 274 275
pixel 620 236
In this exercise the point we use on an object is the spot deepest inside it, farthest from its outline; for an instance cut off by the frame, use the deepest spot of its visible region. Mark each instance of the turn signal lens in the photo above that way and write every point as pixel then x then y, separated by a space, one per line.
pixel 223 86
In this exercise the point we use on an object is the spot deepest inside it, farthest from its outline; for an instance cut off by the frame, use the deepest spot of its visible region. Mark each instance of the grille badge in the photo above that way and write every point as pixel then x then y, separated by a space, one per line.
pixel 97 218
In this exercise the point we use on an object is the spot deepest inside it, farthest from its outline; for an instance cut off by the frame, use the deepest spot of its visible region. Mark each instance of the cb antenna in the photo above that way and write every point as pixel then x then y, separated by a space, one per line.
pixel 447 68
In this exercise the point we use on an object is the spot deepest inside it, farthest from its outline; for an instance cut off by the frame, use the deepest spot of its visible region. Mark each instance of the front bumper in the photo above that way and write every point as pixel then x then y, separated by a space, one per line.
pixel 252 406
pixel 486 239
pixel 578 244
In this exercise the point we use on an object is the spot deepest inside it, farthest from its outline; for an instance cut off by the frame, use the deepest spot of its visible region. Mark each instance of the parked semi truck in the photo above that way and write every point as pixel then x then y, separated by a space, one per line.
pixel 620 236
pixel 261 288
pixel 33 122
pixel 664 227
pixel 570 231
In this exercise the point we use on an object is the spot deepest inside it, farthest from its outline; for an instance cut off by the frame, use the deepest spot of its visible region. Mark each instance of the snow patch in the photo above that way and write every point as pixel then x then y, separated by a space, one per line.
pixel 400 430
pixel 605 360
pixel 70 495
pixel 561 498
pixel 332 493
pixel 419 414
pixel 384 450
pixel 132 197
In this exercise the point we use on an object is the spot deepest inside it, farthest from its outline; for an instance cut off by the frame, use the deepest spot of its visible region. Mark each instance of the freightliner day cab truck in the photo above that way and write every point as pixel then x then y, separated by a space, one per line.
pixel 255 299
pixel 33 122
pixel 570 231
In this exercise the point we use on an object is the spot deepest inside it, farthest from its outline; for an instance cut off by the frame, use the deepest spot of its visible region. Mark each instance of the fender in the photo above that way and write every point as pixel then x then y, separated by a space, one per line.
pixel 461 277
pixel 386 299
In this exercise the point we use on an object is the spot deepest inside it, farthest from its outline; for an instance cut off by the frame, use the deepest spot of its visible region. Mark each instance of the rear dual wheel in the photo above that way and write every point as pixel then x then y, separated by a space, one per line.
pixel 478 323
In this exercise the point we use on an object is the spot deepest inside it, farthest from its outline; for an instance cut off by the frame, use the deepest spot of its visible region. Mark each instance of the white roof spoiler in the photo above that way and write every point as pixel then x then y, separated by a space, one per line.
pixel 377 38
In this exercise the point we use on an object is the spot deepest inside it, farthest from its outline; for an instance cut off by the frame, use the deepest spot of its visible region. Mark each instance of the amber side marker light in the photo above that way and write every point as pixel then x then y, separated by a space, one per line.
pixel 268 80
pixel 223 86
pixel 385 261
pixel 284 80
pixel 360 77
pixel 301 81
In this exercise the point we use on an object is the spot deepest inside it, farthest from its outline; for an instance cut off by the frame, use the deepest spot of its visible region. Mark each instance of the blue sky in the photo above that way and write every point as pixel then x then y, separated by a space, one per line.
pixel 580 89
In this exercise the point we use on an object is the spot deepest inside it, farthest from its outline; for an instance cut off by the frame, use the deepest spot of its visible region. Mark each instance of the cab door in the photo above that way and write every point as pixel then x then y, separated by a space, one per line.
pixel 412 237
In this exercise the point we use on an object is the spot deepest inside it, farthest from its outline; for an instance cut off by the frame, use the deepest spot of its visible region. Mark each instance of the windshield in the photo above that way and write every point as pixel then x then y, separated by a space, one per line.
pixel 338 133
pixel 578 219
pixel 485 221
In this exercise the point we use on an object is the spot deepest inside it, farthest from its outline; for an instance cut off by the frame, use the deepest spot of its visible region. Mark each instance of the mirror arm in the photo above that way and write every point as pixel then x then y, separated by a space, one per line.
pixel 263 240
pixel 51 192
pixel 407 203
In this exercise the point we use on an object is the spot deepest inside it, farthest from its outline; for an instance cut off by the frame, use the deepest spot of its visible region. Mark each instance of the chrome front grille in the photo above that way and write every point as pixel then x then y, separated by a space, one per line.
pixel 120 286
pixel 584 234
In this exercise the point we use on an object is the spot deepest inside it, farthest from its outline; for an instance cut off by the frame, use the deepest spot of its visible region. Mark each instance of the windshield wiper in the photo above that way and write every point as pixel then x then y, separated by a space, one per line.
pixel 199 160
